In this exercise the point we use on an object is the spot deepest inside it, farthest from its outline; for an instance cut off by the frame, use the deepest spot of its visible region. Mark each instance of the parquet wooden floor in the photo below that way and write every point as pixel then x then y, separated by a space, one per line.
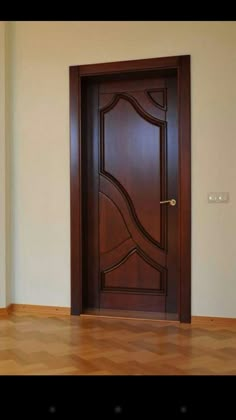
pixel 41 345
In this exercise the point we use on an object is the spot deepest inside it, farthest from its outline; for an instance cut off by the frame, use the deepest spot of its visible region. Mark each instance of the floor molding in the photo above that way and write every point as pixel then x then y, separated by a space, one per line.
pixel 62 311
pixel 213 320
pixel 3 311
pixel 38 309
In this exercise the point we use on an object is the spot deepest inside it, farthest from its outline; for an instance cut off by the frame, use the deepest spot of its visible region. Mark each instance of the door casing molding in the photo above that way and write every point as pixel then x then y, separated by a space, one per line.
pixel 77 73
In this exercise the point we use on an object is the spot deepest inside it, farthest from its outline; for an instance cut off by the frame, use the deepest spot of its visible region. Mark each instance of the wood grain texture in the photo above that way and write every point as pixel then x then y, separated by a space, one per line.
pixel 60 310
pixel 131 157
pixel 133 272
pixel 39 309
pixel 34 345
pixel 165 66
pixel 214 320
pixel 141 241
pixel 128 314
pixel 89 199
pixel 127 135
pixel 3 311
pixel 185 187
pixel 75 192
pixel 129 66
pixel 112 226
pixel 173 227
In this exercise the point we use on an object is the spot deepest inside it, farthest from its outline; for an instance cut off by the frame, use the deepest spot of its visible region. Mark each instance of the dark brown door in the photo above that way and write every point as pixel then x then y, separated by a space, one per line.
pixel 131 238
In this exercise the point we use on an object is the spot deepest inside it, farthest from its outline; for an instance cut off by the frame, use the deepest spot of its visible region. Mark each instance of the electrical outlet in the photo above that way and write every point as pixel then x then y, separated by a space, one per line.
pixel 212 196
pixel 218 197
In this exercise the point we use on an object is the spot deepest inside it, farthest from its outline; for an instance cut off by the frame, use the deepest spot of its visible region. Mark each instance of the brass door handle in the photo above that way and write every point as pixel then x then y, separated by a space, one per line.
pixel 172 202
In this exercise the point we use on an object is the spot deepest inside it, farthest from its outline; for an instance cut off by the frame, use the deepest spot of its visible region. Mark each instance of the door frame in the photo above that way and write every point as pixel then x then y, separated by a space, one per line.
pixel 76 74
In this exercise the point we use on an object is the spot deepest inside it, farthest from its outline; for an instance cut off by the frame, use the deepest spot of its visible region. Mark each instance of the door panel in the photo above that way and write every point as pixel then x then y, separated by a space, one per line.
pixel 132 165
pixel 111 220
pixel 141 240
pixel 131 156
pixel 132 273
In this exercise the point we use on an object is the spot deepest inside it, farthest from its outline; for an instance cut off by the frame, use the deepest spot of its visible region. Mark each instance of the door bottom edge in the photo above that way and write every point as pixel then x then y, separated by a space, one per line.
pixel 131 315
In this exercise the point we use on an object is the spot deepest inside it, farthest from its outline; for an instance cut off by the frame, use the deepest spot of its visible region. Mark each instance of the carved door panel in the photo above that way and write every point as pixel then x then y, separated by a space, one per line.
pixel 132 165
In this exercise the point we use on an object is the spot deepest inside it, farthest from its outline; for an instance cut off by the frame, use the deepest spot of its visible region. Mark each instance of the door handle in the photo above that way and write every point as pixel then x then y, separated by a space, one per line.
pixel 172 202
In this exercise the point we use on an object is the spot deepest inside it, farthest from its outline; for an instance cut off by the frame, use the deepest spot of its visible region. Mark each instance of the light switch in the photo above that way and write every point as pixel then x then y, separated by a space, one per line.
pixel 218 197
pixel 212 197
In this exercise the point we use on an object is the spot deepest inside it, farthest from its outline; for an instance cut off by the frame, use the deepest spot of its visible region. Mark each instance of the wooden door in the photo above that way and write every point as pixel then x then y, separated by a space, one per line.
pixel 131 238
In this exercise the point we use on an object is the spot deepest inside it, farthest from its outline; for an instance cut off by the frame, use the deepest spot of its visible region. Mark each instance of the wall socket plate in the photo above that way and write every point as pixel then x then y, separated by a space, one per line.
pixel 218 197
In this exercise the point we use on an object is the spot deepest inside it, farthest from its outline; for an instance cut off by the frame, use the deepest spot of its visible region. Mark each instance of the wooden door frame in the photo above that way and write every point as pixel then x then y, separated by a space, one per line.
pixel 182 65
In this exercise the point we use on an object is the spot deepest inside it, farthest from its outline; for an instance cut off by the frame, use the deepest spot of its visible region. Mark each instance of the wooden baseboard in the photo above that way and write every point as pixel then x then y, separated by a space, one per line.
pixel 3 311
pixel 39 309
pixel 60 310
pixel 213 320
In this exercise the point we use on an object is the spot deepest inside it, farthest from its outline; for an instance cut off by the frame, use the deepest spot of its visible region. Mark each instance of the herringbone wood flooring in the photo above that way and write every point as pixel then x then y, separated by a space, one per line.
pixel 40 345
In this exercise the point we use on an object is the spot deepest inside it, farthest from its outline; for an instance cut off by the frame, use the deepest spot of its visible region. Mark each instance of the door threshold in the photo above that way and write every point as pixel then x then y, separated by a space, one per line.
pixel 134 315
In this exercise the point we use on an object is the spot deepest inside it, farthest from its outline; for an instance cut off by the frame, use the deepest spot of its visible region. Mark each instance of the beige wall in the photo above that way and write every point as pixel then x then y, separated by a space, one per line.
pixel 42 53
pixel 2 170
pixel 5 158
pixel 8 152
